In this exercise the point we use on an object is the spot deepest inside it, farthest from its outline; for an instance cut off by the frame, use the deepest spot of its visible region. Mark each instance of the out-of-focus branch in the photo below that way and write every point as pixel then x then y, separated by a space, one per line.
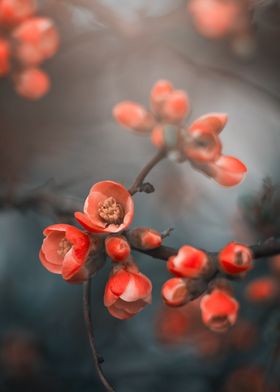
pixel 139 185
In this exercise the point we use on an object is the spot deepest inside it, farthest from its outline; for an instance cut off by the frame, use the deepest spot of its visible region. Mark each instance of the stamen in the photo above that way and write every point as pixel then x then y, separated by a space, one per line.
pixel 111 211
pixel 63 247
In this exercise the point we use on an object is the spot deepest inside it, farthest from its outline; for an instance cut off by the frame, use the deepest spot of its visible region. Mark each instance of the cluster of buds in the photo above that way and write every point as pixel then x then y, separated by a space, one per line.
pixel 78 254
pixel 216 19
pixel 26 41
pixel 199 143
pixel 194 269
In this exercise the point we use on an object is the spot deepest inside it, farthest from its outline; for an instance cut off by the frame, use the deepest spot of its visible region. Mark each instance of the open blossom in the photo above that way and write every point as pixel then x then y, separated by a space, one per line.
pixel 16 11
pixel 65 251
pixel 144 238
pixel 235 259
pixel 127 292
pixel 36 40
pixel 175 292
pixel 109 208
pixel 32 83
pixel 117 248
pixel 189 263
pixel 219 310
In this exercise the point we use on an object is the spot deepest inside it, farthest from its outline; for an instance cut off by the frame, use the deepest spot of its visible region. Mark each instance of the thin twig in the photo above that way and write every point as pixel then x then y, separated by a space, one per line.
pixel 89 326
pixel 138 185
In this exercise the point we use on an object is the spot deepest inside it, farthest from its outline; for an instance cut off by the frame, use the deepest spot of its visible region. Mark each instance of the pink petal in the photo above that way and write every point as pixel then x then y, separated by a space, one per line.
pixel 50 247
pixel 54 268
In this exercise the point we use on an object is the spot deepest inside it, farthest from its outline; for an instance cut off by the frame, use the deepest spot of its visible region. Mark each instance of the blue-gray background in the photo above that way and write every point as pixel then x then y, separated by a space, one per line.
pixel 70 136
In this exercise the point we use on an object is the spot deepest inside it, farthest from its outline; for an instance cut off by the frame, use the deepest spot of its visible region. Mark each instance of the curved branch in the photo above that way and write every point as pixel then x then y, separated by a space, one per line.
pixel 138 185
pixel 89 326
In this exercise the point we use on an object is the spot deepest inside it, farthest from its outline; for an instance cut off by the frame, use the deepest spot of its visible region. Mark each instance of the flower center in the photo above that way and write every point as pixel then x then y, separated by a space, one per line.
pixel 63 247
pixel 111 211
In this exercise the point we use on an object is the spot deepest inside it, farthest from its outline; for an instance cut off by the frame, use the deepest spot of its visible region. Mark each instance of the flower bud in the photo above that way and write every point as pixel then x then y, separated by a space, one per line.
pixel 189 263
pixel 144 238
pixel 117 248
pixel 127 292
pixel 219 310
pixel 159 94
pixel 262 290
pixel 32 83
pixel 133 116
pixel 174 292
pixel 15 11
pixel 176 107
pixel 4 57
pixel 235 259
pixel 36 40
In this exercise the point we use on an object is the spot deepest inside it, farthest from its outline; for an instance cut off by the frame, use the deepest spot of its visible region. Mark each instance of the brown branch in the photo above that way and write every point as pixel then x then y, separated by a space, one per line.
pixel 97 359
pixel 267 248
pixel 139 185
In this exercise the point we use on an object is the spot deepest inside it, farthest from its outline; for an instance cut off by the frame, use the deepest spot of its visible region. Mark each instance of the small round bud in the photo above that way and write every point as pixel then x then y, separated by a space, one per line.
pixel 174 292
pixel 117 248
pixel 176 106
pixel 15 11
pixel 133 116
pixel 235 259
pixel 32 83
pixel 262 290
pixel 159 94
pixel 189 263
pixel 219 310
pixel 36 40
pixel 144 238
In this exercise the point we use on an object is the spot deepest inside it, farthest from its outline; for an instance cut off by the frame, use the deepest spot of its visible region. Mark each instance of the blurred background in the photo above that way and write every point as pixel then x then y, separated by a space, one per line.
pixel 110 51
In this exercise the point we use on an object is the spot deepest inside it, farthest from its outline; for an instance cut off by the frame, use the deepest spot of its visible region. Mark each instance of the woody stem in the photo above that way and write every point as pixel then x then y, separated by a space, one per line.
pixel 97 359
pixel 139 181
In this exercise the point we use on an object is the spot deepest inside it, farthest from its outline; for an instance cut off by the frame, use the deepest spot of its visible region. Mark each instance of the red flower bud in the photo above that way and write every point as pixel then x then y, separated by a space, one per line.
pixel 219 310
pixel 15 11
pixel 159 94
pixel 36 40
pixel 144 238
pixel 189 263
pixel 4 57
pixel 117 248
pixel 127 292
pixel 32 83
pixel 174 292
pixel 176 106
pixel 235 259
pixel 262 290
pixel 133 116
